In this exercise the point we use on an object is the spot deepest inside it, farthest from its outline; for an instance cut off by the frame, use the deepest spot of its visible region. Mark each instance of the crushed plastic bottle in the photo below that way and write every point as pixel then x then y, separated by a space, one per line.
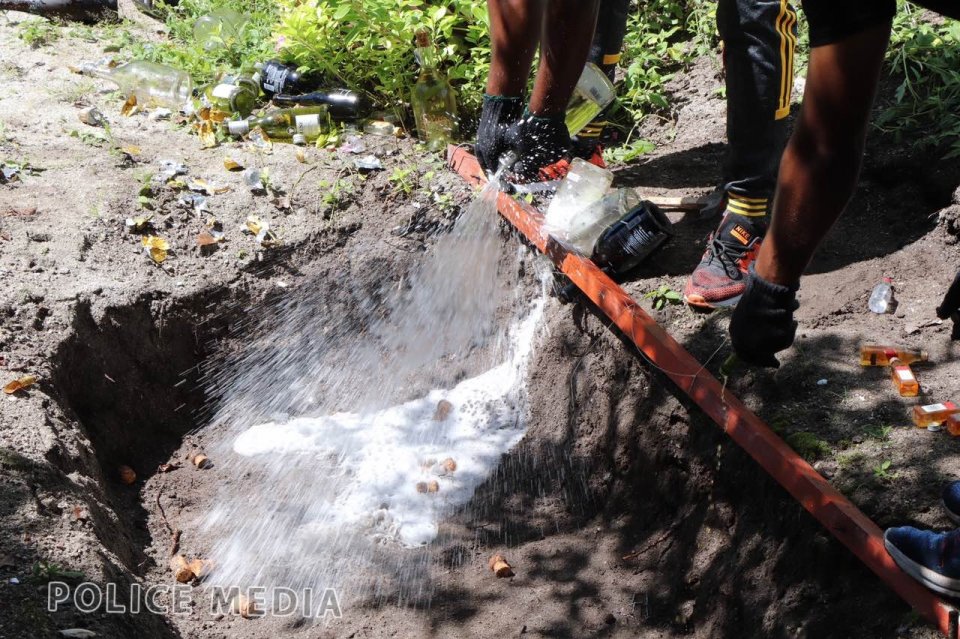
pixel 881 299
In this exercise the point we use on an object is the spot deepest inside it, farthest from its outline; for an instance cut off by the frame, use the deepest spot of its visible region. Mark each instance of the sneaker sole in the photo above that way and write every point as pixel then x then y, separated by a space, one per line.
pixel 699 302
pixel 929 578
pixel 952 515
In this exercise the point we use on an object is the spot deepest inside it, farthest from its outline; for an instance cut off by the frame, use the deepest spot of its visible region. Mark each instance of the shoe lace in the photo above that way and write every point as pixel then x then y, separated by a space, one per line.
pixel 728 254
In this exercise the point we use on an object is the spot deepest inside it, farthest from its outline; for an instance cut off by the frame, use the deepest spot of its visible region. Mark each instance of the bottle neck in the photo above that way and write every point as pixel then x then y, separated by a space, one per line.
pixel 427 58
pixel 98 71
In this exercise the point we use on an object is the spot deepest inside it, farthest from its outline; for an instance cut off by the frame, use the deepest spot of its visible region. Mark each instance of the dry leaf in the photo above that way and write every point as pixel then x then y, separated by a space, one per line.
pixel 20 384
pixel 129 107
pixel 205 239
pixel 206 133
pixel 155 247
pixel 500 567
pixel 255 225
pixel 127 474
pixel 211 114
pixel 231 165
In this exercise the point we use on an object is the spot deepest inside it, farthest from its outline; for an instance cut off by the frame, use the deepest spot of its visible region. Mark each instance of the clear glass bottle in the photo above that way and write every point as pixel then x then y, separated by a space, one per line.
pixel 903 379
pixel 233 93
pixel 933 414
pixel 593 93
pixel 153 84
pixel 433 99
pixel 881 299
pixel 306 123
pixel 881 355
pixel 578 193
pixel 219 27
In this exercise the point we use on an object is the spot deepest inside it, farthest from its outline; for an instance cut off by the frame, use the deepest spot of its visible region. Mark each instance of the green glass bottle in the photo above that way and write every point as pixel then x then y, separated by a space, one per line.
pixel 299 125
pixel 433 99
pixel 233 93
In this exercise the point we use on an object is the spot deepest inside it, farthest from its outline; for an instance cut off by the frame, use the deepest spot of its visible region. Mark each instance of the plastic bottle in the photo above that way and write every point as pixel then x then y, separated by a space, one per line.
pixel 881 299
pixel 153 84
pixel 881 355
pixel 234 93
pixel 933 414
pixel 299 125
pixel 593 93
pixel 344 104
pixel 582 188
pixel 217 28
pixel 433 99
pixel 903 379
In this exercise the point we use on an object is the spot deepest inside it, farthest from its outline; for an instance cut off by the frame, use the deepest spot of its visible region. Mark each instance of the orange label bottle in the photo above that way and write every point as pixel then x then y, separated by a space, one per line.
pixel 953 425
pixel 879 355
pixel 924 416
pixel 904 379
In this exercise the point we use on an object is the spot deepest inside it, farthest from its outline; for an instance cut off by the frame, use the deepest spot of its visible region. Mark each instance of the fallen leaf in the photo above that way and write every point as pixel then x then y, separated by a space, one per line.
pixel 210 114
pixel 127 475
pixel 255 225
pixel 207 134
pixel 129 107
pixel 155 247
pixel 205 238
pixel 20 384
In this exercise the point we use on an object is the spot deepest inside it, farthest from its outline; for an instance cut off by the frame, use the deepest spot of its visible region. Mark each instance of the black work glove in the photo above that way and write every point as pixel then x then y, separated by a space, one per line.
pixel 498 113
pixel 950 307
pixel 762 323
pixel 538 143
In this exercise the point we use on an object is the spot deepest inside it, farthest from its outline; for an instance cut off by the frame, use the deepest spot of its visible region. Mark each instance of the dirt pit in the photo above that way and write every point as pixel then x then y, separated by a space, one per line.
pixel 623 512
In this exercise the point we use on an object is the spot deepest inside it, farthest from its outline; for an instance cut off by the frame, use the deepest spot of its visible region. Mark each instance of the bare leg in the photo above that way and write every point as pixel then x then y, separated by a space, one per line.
pixel 821 164
pixel 515 33
pixel 568 32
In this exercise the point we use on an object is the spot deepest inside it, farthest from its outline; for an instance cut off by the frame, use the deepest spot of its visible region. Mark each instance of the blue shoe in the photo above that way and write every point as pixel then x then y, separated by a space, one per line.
pixel 951 500
pixel 931 558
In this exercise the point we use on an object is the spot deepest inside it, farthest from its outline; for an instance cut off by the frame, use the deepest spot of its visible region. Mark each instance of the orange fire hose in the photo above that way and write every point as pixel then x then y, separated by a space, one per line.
pixel 845 521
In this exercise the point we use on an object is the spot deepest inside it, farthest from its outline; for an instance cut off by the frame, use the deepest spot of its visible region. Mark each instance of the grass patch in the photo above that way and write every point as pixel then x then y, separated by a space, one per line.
pixel 808 445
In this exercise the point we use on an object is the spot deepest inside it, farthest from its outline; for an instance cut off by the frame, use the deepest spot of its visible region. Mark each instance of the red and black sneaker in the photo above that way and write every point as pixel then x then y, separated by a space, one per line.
pixel 721 277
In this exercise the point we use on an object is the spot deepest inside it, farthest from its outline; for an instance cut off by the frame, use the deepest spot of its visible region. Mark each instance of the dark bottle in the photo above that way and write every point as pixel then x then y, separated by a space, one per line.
pixel 629 241
pixel 277 77
pixel 344 104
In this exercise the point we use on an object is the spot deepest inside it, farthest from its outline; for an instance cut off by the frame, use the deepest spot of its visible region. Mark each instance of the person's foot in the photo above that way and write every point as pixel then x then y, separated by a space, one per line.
pixel 951 500
pixel 931 558
pixel 721 277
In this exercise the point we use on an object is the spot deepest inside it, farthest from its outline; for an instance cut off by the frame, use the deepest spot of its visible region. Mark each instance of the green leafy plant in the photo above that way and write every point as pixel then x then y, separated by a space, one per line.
pixel 38 33
pixel 925 58
pixel 879 433
pixel 882 470
pixel 663 296
pixel 402 181
pixel 44 572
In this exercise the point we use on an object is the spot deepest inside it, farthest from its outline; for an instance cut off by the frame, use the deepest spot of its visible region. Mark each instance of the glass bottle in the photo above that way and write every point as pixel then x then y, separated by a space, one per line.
pixel 278 77
pixel 903 379
pixel 952 425
pixel 433 99
pixel 880 355
pixel 881 298
pixel 593 93
pixel 153 84
pixel 217 28
pixel 344 104
pixel 933 414
pixel 302 123
pixel 234 93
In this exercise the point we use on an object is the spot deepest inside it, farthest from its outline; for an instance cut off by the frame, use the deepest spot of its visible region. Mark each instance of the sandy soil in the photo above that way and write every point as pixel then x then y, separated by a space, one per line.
pixel 615 463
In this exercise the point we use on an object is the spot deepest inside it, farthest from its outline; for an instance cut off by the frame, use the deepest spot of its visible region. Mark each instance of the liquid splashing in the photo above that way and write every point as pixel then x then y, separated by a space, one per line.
pixel 347 441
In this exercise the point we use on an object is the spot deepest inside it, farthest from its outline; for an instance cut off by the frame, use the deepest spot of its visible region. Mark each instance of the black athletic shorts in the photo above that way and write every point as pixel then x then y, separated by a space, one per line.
pixel 834 20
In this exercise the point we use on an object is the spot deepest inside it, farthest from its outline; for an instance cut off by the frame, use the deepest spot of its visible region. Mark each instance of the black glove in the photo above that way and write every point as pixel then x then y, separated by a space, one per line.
pixel 762 323
pixel 538 143
pixel 950 307
pixel 498 113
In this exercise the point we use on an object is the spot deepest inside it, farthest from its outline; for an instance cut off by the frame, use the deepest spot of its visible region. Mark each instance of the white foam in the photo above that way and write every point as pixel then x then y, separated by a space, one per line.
pixel 382 454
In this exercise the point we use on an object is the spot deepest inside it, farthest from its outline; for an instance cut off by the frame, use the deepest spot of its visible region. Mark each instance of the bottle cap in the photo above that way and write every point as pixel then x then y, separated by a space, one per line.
pixel 238 127
pixel 887 280
pixel 299 139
